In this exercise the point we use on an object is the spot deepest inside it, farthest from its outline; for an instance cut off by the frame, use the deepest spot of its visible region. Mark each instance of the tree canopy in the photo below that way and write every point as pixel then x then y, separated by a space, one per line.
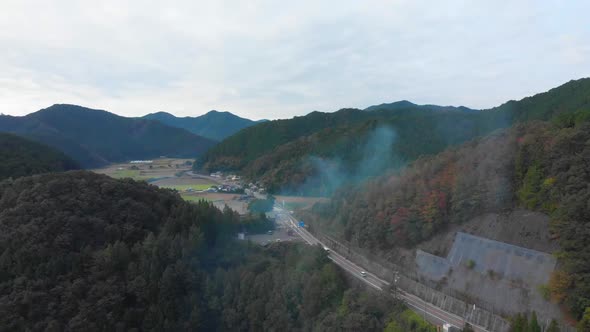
pixel 22 157
pixel 539 165
pixel 82 251
pixel 316 153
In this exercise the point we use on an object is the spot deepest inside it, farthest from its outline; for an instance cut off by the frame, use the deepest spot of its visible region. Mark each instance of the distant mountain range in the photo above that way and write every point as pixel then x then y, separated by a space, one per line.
pixel 404 104
pixel 213 125
pixel 96 137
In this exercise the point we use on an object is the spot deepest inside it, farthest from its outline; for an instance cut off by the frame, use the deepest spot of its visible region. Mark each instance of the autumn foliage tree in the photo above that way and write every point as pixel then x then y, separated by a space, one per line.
pixel 408 207
pixel 541 166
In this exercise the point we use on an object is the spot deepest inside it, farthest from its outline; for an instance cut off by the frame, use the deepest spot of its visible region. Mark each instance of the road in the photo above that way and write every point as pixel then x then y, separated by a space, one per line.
pixel 430 312
pixel 206 177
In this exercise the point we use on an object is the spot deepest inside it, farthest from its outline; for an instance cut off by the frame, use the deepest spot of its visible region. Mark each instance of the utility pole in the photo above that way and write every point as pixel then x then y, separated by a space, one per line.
pixel 471 314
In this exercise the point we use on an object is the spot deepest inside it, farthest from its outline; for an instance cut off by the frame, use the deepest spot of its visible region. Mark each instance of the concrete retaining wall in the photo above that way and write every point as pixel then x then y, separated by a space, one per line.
pixel 484 314
pixel 448 303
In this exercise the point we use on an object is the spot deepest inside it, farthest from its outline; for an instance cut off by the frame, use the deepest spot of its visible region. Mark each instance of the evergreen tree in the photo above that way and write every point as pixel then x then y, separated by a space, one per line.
pixel 584 323
pixel 534 324
pixel 519 323
pixel 553 327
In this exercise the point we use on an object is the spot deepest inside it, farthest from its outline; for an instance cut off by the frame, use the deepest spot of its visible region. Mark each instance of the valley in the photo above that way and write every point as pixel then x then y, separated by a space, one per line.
pixel 309 166
pixel 177 174
pixel 462 224
pixel 149 170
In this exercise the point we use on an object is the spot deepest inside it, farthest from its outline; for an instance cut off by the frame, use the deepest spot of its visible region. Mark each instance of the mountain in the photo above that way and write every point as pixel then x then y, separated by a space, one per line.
pixel 23 157
pixel 85 252
pixel 320 151
pixel 407 104
pixel 96 137
pixel 213 125
pixel 539 166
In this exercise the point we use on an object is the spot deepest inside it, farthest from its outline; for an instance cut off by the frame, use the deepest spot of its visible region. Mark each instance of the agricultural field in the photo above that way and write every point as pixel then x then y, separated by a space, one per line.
pixel 241 206
pixel 186 187
pixel 159 168
pixel 184 183
pixel 172 174
pixel 193 198
pixel 220 200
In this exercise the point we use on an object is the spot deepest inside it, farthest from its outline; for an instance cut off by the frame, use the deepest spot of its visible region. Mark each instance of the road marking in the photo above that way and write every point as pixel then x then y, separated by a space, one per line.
pixel 365 280
pixel 442 319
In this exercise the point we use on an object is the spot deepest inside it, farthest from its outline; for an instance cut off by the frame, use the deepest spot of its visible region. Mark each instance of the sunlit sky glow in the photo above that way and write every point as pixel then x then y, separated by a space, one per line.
pixel 278 59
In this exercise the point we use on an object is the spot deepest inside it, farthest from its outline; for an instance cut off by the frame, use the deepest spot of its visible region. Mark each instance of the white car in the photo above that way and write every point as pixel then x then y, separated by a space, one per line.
pixel 326 249
pixel 364 274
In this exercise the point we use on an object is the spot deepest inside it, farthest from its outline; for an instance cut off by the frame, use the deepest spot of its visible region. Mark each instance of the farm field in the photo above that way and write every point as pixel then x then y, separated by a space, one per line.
pixel 129 173
pixel 159 168
pixel 232 201
pixel 164 173
pixel 185 187
pixel 193 198
pixel 220 200
pixel 184 183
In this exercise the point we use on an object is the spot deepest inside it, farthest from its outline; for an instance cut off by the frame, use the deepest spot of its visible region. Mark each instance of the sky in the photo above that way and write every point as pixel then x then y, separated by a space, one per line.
pixel 279 59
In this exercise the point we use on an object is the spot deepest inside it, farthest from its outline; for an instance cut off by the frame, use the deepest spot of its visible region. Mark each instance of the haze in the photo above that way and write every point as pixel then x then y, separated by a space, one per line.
pixel 263 59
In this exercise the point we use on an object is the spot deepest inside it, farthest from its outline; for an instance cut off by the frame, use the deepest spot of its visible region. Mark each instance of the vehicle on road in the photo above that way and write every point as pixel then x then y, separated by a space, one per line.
pixel 269 232
pixel 364 274
pixel 326 249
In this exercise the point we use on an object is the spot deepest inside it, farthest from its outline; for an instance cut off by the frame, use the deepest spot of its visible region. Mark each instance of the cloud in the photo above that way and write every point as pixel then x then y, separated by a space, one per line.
pixel 275 59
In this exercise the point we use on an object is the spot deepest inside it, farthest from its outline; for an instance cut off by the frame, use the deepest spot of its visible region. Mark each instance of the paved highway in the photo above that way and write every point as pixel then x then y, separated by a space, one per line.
pixel 206 177
pixel 432 313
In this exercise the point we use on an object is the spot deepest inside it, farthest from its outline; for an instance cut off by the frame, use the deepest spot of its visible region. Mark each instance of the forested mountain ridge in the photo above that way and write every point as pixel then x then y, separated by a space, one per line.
pixel 285 153
pixel 407 104
pixel 82 251
pixel 96 137
pixel 237 150
pixel 537 165
pixel 320 162
pixel 23 157
pixel 271 150
pixel 214 125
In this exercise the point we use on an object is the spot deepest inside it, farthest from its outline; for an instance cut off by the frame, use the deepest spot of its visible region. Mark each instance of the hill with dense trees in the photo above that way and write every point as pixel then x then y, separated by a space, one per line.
pixel 82 251
pixel 403 104
pixel 23 157
pixel 95 137
pixel 540 166
pixel 214 125
pixel 312 153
